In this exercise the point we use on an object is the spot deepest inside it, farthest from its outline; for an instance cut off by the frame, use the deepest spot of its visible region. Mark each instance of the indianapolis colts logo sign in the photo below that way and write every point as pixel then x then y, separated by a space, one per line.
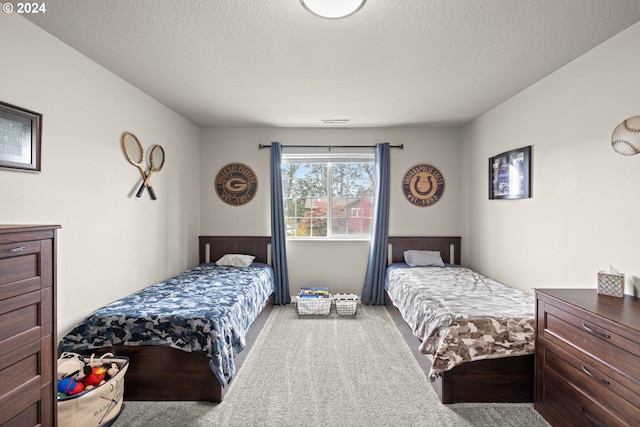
pixel 423 185
pixel 236 184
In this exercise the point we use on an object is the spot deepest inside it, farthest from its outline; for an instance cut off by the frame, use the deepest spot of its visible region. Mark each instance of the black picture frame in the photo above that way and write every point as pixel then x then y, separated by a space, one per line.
pixel 510 174
pixel 20 138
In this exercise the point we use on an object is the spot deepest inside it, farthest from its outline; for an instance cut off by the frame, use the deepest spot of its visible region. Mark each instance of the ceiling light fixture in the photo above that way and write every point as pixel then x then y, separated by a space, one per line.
pixel 333 9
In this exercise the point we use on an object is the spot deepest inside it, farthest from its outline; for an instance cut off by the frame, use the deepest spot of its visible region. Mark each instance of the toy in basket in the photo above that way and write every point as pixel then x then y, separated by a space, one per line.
pixel 314 302
pixel 346 304
pixel 90 390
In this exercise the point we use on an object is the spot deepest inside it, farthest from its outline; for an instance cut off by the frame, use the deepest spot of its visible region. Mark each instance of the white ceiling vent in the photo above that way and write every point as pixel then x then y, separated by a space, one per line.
pixel 335 122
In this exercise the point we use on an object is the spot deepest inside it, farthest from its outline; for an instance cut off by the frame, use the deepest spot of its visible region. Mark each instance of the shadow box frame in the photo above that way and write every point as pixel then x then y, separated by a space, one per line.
pixel 20 138
pixel 510 174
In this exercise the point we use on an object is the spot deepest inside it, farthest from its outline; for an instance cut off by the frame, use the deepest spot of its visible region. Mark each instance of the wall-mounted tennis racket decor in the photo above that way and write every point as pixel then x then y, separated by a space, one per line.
pixel 423 185
pixel 135 154
pixel 236 184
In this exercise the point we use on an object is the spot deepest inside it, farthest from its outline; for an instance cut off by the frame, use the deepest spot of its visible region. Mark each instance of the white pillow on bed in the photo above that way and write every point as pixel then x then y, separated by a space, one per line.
pixel 235 260
pixel 423 258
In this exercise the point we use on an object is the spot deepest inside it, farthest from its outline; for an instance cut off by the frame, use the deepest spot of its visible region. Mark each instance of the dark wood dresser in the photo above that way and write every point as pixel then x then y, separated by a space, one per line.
pixel 587 362
pixel 27 325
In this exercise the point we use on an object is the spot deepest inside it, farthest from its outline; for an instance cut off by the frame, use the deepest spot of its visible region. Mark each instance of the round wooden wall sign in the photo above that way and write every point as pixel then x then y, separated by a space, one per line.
pixel 236 184
pixel 423 185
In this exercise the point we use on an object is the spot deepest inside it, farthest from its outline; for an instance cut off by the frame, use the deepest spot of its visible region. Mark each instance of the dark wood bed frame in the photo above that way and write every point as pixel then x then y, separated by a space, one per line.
pixel 165 373
pixel 507 379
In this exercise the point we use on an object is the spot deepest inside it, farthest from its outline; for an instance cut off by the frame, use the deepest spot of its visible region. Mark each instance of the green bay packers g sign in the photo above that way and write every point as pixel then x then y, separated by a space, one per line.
pixel 236 184
pixel 423 185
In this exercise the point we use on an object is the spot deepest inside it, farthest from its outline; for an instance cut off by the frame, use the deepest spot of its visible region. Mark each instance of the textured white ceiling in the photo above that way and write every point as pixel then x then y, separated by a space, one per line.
pixel 394 63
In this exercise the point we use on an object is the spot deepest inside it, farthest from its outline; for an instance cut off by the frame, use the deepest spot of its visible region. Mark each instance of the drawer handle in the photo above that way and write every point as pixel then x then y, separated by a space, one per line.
pixel 19 249
pixel 591 419
pixel 596 333
pixel 600 380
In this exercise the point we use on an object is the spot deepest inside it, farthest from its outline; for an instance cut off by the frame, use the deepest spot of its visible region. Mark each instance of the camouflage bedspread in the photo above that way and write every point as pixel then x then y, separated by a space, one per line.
pixel 460 315
pixel 207 309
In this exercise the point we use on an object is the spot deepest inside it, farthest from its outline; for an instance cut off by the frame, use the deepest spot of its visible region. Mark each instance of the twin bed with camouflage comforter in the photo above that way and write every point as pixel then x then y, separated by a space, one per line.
pixel 186 336
pixel 473 337
pixel 461 316
pixel 207 309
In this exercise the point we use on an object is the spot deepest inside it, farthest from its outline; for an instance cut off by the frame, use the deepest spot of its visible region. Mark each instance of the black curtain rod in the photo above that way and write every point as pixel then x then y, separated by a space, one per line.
pixel 261 146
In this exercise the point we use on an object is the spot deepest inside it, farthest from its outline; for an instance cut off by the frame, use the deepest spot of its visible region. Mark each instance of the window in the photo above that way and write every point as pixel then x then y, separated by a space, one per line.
pixel 328 195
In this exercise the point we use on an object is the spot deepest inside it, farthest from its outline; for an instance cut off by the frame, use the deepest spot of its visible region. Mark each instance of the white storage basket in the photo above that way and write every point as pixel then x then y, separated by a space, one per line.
pixel 314 306
pixel 99 406
pixel 346 304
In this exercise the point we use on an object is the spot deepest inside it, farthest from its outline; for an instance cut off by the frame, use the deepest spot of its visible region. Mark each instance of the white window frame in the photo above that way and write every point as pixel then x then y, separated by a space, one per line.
pixel 336 156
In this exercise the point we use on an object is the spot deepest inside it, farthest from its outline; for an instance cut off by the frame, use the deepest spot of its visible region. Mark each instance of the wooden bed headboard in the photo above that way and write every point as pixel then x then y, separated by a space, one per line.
pixel 449 247
pixel 217 246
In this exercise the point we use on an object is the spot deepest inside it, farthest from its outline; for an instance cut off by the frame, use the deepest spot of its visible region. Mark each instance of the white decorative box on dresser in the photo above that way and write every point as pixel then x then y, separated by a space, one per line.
pixel 587 363
pixel 27 325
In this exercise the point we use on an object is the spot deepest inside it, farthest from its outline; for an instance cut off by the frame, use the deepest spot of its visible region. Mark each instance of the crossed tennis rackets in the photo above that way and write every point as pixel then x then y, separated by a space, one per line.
pixel 135 154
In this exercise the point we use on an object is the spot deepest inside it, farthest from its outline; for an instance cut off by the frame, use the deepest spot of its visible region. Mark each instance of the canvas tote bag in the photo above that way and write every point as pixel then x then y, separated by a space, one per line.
pixel 99 406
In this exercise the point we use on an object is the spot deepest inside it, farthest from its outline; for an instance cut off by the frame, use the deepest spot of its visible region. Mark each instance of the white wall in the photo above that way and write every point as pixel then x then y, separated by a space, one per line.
pixel 341 265
pixel 111 243
pixel 584 212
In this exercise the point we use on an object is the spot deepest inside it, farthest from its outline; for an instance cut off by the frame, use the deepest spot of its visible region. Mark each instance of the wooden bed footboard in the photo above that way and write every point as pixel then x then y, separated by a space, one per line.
pixel 167 374
pixel 507 379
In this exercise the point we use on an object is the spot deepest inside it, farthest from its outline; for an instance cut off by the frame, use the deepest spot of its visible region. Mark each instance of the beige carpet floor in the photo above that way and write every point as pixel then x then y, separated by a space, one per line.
pixel 329 371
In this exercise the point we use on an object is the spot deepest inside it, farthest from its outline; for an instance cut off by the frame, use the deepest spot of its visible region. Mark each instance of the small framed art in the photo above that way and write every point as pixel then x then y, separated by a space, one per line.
pixel 510 174
pixel 20 134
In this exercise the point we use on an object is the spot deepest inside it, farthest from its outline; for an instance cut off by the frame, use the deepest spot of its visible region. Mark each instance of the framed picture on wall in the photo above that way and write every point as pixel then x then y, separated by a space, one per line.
pixel 20 134
pixel 510 174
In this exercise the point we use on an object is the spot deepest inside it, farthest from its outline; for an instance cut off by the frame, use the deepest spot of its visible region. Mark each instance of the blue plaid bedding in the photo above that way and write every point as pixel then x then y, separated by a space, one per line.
pixel 207 309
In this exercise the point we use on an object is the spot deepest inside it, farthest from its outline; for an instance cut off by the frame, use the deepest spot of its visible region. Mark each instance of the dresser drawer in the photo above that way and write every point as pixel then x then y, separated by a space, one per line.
pixel 20 371
pixel 591 382
pixel 23 373
pixel 593 336
pixel 36 408
pixel 25 267
pixel 569 407
pixel 25 318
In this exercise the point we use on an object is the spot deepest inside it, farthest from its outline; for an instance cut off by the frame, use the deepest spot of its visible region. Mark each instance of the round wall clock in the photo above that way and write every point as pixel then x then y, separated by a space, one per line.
pixel 236 184
pixel 423 185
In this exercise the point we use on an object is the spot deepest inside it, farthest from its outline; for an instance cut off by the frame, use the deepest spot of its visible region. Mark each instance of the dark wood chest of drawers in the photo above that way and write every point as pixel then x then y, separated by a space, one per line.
pixel 587 358
pixel 27 325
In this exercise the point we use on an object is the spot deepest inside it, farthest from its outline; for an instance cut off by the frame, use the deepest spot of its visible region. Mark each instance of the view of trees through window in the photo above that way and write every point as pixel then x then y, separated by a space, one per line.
pixel 328 198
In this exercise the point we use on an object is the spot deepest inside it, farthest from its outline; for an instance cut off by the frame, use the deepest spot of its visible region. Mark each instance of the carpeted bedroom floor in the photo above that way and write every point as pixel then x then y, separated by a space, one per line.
pixel 330 370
